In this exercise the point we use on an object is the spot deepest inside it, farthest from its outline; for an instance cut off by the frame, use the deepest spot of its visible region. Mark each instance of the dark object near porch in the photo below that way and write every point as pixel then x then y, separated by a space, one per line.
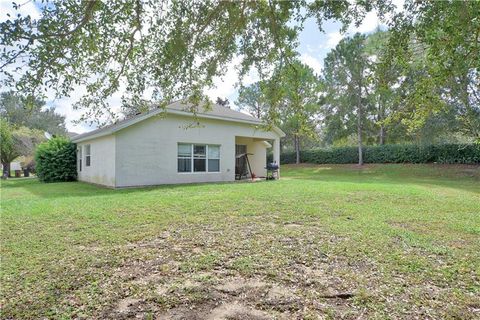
pixel 272 171
pixel 26 172
pixel 241 170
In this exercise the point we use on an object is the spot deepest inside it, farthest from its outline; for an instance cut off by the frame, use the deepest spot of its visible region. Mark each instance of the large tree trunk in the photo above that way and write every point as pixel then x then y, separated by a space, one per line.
pixel 6 170
pixel 297 148
pixel 382 134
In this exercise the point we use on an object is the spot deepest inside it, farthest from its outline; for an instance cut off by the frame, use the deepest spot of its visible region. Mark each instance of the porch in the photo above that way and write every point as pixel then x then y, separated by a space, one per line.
pixel 251 156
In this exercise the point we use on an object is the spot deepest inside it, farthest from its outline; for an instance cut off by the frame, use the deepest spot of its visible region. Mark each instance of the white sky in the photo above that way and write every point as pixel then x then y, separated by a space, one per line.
pixel 313 48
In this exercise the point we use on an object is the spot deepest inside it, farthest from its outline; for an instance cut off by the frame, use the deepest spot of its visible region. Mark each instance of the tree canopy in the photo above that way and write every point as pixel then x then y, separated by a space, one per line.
pixel 16 142
pixel 157 51
pixel 19 112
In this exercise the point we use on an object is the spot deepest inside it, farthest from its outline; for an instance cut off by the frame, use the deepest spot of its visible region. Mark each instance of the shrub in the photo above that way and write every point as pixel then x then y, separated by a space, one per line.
pixel 56 160
pixel 391 153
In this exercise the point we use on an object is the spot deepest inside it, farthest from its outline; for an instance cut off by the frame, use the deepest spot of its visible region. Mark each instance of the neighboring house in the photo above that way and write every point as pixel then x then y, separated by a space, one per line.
pixel 15 166
pixel 171 145
pixel 71 134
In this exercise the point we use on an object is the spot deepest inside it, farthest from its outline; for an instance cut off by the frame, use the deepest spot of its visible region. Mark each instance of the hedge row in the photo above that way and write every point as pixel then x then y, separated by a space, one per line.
pixel 393 153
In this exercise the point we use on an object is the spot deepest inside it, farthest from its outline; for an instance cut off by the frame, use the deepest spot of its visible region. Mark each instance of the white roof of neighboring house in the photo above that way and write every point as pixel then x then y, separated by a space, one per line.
pixel 15 166
pixel 216 112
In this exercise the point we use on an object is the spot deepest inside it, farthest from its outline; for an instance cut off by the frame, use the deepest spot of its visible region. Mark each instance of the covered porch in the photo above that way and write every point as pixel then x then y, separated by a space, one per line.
pixel 251 156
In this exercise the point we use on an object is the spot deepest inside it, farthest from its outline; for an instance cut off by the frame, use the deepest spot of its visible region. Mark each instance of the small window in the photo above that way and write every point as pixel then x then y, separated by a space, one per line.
pixel 79 157
pixel 87 155
pixel 198 158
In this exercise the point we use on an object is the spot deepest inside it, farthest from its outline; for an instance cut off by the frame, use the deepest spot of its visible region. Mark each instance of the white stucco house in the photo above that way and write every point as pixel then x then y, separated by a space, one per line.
pixel 170 145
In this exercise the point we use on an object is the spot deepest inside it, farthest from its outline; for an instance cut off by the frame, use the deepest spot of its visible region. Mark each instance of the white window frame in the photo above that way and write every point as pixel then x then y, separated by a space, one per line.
pixel 88 155
pixel 192 158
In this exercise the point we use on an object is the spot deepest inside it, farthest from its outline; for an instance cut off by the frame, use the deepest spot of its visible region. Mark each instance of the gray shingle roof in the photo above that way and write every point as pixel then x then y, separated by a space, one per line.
pixel 216 110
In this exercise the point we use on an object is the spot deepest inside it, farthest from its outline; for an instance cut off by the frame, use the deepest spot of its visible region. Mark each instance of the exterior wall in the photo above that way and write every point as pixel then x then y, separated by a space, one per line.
pixel 102 161
pixel 146 153
pixel 258 159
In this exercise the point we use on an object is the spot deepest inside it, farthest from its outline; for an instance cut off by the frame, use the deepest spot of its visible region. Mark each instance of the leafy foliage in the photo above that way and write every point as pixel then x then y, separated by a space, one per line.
pixel 157 51
pixel 439 39
pixel 299 106
pixel 389 92
pixel 16 142
pixel 20 112
pixel 346 80
pixel 56 160
pixel 293 107
pixel 172 49
pixel 393 153
pixel 7 146
pixel 252 99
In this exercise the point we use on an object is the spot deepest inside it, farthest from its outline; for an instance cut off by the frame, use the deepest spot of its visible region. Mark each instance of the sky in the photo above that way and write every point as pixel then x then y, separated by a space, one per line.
pixel 313 48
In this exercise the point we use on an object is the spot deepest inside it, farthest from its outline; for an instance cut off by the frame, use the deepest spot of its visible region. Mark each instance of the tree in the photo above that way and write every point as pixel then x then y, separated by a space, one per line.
pixel 444 34
pixel 170 48
pixel 174 49
pixel 16 142
pixel 300 104
pixel 346 79
pixel 252 99
pixel 6 147
pixel 296 98
pixel 383 89
pixel 17 111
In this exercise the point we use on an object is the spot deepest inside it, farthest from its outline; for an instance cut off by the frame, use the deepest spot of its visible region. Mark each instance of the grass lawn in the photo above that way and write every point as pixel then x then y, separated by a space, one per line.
pixel 381 242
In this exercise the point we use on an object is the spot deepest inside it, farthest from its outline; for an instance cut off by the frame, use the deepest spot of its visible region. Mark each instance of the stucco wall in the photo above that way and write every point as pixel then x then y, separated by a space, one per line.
pixel 146 153
pixel 102 163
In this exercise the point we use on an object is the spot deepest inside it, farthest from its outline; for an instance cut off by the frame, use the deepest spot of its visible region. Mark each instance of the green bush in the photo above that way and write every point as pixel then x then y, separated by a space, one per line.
pixel 391 153
pixel 56 160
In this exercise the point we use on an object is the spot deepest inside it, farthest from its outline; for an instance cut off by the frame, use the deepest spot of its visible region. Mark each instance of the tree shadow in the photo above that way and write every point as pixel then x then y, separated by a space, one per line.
pixel 23 187
pixel 465 178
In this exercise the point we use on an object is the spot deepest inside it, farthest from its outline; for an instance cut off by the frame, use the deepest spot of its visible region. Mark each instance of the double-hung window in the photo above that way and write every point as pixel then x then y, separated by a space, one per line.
pixel 213 158
pixel 184 157
pixel 87 155
pixel 198 158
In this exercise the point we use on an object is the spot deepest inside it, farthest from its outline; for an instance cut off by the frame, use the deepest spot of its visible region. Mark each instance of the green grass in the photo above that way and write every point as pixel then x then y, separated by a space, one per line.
pixel 404 240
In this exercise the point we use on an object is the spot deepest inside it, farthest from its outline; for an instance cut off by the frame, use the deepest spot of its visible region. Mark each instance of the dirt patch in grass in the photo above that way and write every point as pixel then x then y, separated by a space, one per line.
pixel 209 285
pixel 236 285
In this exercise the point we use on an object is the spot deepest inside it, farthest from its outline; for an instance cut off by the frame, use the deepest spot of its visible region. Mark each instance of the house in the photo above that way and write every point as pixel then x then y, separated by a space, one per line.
pixel 172 145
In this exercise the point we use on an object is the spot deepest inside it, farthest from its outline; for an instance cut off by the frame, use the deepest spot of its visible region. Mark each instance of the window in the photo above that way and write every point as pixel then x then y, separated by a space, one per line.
pixel 184 157
pixel 79 157
pixel 87 155
pixel 198 158
pixel 213 158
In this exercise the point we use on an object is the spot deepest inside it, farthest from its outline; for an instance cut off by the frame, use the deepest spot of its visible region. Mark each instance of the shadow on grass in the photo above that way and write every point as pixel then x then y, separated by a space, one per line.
pixel 461 177
pixel 33 186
